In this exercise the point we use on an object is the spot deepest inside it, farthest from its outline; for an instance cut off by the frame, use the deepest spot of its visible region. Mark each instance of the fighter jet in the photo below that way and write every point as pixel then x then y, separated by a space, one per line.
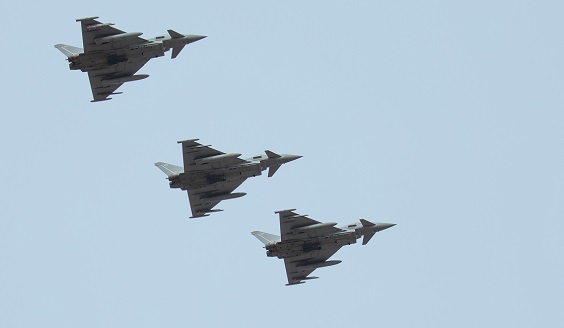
pixel 112 57
pixel 210 176
pixel 306 244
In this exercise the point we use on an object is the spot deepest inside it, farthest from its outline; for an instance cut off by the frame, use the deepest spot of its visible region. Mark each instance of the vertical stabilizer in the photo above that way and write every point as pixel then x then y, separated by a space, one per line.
pixel 169 169
pixel 69 51
pixel 266 238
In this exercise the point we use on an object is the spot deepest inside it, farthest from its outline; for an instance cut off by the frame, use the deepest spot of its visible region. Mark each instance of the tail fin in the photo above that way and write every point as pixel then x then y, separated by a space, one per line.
pixel 266 238
pixel 69 51
pixel 176 51
pixel 173 34
pixel 366 223
pixel 271 154
pixel 272 170
pixel 169 169
pixel 367 238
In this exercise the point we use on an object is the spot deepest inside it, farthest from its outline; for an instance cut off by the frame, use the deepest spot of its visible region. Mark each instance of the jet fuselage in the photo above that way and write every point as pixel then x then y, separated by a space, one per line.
pixel 298 247
pixel 203 178
pixel 106 59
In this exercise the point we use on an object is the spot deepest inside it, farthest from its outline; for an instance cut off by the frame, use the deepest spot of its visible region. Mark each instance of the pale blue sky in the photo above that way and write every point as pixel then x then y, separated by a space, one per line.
pixel 445 118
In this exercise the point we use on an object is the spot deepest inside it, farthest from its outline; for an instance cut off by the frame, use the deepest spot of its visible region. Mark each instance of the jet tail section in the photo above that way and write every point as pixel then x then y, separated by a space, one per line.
pixel 169 169
pixel 266 238
pixel 69 51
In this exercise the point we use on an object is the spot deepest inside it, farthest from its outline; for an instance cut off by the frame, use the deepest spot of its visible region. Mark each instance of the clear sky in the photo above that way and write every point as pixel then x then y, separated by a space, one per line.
pixel 444 117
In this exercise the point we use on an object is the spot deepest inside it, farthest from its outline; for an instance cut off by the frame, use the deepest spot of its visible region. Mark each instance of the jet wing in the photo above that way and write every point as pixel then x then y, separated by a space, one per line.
pixel 93 29
pixel 298 268
pixel 296 226
pixel 203 200
pixel 200 157
pixel 101 90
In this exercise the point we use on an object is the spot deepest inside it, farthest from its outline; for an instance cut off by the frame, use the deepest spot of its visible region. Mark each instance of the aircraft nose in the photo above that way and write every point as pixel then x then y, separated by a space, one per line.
pixel 290 158
pixel 194 38
pixel 383 226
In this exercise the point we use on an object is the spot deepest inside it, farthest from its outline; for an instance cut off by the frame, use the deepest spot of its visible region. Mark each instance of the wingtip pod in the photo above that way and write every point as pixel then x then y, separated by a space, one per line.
pixel 86 19
pixel 187 141
pixel 285 211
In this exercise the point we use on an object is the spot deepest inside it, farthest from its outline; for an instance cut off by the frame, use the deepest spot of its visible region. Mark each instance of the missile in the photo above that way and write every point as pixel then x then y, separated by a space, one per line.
pixel 316 226
pixel 117 37
pixel 313 266
pixel 120 80
pixel 220 197
pixel 216 158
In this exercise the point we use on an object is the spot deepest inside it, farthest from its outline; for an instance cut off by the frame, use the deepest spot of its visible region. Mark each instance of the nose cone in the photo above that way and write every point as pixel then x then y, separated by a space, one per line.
pixel 383 226
pixel 193 38
pixel 289 158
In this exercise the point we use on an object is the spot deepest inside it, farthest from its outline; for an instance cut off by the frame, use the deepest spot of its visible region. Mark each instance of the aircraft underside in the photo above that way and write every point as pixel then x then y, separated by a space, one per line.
pixel 87 62
pixel 293 248
pixel 200 179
